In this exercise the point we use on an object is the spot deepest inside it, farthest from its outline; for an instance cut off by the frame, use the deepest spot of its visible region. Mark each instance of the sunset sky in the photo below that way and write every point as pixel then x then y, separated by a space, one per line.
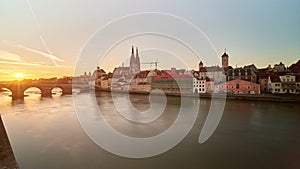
pixel 44 38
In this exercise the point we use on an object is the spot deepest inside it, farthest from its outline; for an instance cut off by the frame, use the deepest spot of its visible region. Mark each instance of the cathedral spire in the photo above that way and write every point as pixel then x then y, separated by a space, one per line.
pixel 137 52
pixel 132 60
pixel 132 50
pixel 137 61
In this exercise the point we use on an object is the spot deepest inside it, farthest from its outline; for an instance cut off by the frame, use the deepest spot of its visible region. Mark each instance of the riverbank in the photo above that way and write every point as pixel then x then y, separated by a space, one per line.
pixel 252 97
pixel 7 158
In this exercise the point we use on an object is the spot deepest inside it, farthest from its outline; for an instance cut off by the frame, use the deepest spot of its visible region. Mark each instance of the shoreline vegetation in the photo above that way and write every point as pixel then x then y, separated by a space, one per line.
pixel 7 158
pixel 248 97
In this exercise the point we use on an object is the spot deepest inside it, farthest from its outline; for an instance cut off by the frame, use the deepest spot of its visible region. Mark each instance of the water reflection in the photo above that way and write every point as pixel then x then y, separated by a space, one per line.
pixel 45 133
pixel 56 92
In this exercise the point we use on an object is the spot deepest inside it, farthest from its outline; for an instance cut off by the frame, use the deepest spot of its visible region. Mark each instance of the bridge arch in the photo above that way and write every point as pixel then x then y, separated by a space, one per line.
pixel 18 89
pixel 64 89
pixel 29 91
pixel 57 90
pixel 6 91
pixel 32 86
pixel 6 88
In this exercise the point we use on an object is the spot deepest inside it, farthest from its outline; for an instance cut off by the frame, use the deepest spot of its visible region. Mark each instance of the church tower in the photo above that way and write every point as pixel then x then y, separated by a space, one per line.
pixel 200 65
pixel 137 61
pixel 225 60
pixel 135 65
pixel 132 61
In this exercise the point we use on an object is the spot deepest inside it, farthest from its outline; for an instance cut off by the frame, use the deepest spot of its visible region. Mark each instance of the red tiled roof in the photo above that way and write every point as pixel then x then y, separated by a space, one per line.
pixel 275 78
pixel 295 68
pixel 142 74
pixel 166 75
pixel 121 70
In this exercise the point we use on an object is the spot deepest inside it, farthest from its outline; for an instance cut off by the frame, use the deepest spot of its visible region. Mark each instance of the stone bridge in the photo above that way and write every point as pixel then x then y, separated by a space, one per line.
pixel 18 88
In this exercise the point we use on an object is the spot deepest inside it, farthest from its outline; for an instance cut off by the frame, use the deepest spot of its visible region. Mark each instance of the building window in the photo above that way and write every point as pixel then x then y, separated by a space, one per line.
pixel 237 85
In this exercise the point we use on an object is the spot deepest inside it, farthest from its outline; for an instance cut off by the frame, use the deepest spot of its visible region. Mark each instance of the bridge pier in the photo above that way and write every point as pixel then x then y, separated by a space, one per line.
pixel 46 92
pixel 67 90
pixel 17 95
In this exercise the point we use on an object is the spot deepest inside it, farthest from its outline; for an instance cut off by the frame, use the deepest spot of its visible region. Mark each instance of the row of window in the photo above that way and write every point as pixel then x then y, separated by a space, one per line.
pixel 288 80
pixel 198 85
pixel 198 82
pixel 285 90
pixel 237 87
pixel 201 90
pixel 278 84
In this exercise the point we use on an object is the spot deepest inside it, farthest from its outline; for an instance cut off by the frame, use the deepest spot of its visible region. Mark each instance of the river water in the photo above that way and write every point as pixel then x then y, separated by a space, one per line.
pixel 46 134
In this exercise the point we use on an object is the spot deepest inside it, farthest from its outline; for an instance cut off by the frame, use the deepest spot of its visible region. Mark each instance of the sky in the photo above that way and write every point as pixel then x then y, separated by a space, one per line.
pixel 54 38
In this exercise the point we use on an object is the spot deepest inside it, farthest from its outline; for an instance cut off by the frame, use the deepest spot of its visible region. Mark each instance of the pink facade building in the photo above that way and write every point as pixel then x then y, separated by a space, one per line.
pixel 239 87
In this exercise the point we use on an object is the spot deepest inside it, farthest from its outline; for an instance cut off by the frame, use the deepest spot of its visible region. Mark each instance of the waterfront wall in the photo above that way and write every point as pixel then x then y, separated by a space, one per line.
pixel 252 97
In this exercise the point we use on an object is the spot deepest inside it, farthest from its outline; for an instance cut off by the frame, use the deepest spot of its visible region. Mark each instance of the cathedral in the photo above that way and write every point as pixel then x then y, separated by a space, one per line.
pixel 134 61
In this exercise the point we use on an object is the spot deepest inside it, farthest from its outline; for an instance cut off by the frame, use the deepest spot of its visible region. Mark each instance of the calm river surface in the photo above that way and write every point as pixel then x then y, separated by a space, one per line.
pixel 45 134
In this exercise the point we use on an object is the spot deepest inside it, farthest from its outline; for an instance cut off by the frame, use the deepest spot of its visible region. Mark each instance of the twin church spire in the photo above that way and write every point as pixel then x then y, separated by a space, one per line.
pixel 135 65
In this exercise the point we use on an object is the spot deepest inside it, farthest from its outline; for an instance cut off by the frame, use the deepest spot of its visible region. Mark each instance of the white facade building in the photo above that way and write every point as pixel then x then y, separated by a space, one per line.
pixel 199 85
pixel 283 84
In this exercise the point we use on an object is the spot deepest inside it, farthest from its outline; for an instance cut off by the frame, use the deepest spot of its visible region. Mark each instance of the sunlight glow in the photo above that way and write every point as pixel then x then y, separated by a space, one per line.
pixel 18 75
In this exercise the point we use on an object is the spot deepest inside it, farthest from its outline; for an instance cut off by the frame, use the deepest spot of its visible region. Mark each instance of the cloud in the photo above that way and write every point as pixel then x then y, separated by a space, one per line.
pixel 32 64
pixel 32 50
pixel 9 56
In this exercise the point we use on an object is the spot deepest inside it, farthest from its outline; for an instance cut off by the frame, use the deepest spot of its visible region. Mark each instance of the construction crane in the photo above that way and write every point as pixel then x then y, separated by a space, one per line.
pixel 150 63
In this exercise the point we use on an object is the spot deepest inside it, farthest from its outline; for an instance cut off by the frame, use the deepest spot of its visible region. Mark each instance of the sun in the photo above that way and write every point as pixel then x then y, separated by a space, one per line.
pixel 18 75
